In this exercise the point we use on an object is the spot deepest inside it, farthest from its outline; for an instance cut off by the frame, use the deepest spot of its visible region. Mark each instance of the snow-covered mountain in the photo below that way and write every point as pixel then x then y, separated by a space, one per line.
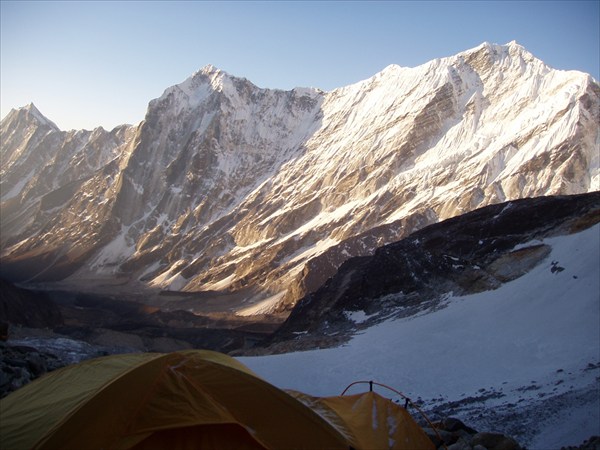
pixel 259 195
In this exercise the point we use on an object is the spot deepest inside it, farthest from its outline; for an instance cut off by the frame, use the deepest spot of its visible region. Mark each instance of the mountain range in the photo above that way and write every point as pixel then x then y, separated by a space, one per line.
pixel 229 197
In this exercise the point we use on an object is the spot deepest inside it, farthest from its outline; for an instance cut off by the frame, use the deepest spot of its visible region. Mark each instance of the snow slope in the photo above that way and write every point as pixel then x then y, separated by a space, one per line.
pixel 523 359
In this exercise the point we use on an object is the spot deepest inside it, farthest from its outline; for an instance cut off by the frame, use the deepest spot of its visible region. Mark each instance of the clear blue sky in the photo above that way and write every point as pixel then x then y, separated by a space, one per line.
pixel 86 64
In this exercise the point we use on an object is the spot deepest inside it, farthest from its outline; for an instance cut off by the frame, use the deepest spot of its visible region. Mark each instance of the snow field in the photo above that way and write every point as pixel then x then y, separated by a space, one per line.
pixel 536 336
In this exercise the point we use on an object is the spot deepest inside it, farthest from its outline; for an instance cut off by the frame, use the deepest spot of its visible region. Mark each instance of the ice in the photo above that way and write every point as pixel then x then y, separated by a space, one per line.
pixel 265 306
pixel 113 253
pixel 221 284
pixel 358 316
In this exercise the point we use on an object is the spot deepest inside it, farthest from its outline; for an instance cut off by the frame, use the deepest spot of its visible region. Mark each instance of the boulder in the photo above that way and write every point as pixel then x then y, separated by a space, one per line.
pixel 495 441
pixel 21 364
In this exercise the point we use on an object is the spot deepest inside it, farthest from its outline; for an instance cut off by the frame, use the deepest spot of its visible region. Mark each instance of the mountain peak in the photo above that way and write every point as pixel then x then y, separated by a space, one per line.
pixel 203 82
pixel 30 107
pixel 210 69
pixel 510 56
pixel 214 73
pixel 31 113
pixel 491 47
pixel 33 110
pixel 489 51
pixel 514 44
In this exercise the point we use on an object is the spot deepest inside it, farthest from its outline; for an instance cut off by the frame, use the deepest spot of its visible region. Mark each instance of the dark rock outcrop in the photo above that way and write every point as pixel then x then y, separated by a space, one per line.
pixel 593 443
pixel 452 434
pixel 21 364
pixel 27 308
pixel 471 253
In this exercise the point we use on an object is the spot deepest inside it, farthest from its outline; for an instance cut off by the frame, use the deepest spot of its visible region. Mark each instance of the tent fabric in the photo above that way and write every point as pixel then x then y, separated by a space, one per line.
pixel 188 400
pixel 377 422
pixel 370 421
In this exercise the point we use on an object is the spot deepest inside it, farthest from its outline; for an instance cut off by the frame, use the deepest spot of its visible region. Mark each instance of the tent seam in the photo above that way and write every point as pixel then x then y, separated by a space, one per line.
pixel 150 390
pixel 208 394
pixel 305 410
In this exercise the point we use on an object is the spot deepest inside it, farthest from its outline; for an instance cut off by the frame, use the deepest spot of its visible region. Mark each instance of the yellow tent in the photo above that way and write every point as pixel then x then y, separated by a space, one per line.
pixel 192 400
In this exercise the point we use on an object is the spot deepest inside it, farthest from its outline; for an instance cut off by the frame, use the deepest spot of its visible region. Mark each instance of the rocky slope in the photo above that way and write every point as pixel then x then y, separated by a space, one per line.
pixel 255 197
pixel 476 252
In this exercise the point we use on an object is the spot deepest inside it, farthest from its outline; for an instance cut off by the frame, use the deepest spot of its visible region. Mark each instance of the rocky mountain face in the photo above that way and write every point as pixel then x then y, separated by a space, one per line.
pixel 53 184
pixel 251 198
pixel 475 252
